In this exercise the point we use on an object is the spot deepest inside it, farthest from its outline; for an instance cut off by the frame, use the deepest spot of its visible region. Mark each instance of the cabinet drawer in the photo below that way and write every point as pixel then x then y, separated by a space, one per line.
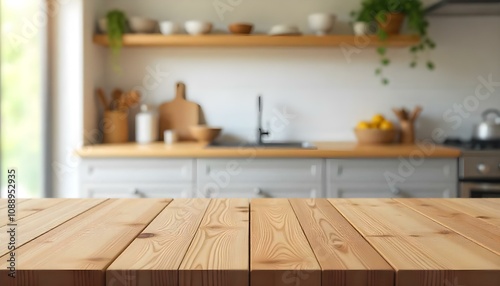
pixel 137 170
pixel 364 190
pixel 224 171
pixel 255 191
pixel 383 170
pixel 141 191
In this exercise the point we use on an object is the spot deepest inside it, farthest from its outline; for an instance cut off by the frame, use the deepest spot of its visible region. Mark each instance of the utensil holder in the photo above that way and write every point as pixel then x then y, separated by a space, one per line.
pixel 115 127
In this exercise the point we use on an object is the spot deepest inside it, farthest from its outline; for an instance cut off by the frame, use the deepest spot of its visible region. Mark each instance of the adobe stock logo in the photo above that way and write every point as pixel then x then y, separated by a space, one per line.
pixel 223 6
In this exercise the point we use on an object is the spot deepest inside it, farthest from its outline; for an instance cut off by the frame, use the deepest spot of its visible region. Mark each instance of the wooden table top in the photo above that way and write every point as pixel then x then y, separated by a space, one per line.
pixel 345 242
pixel 323 150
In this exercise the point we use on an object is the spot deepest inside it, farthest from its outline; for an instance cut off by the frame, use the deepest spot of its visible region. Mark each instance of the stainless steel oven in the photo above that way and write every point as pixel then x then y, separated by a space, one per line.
pixel 480 190
pixel 479 174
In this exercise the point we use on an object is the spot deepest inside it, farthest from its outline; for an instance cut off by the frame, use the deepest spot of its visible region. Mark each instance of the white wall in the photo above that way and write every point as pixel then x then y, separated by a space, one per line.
pixel 325 92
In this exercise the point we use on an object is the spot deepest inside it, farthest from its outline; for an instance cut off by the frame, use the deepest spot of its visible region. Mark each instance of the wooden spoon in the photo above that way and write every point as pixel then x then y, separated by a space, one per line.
pixel 102 99
pixel 132 98
pixel 116 95
pixel 416 112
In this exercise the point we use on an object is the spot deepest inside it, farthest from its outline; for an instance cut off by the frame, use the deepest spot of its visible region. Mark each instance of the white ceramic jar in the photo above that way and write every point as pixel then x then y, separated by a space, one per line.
pixel 146 126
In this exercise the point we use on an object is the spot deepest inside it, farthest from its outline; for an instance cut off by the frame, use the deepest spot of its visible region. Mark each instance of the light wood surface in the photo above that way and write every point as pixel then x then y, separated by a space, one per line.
pixel 27 208
pixel 414 244
pixel 486 210
pixel 78 251
pixel 279 244
pixel 212 242
pixel 4 202
pixel 154 257
pixel 218 254
pixel 48 217
pixel 179 115
pixel 344 255
pixel 476 230
pixel 148 40
pixel 323 150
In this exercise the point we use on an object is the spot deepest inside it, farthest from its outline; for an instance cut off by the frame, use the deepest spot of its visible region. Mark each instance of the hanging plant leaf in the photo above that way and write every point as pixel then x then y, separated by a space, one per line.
pixel 381 50
pixel 116 22
pixel 377 11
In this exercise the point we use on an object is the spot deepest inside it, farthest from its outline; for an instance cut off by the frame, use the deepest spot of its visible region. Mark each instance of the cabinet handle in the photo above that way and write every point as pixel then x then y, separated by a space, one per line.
pixel 339 170
pixel 139 193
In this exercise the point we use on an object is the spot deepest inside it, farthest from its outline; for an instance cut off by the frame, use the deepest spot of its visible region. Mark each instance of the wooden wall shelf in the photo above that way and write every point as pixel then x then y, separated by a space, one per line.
pixel 152 40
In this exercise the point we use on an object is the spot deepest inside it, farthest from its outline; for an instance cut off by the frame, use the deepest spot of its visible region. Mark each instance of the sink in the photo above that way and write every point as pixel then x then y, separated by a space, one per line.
pixel 276 144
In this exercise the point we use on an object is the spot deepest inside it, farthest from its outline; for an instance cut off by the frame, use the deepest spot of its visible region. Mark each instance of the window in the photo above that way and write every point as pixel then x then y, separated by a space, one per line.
pixel 22 34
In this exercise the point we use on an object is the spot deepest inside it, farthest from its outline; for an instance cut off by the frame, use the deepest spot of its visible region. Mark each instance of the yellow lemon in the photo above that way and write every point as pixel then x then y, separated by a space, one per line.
pixel 386 125
pixel 377 119
pixel 363 125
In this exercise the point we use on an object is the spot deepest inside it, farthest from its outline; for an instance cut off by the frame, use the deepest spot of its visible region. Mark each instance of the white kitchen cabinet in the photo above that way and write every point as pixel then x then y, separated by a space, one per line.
pixel 148 178
pixel 377 170
pixel 260 170
pixel 139 191
pixel 363 190
pixel 266 178
pixel 138 170
pixel 391 178
pixel 255 191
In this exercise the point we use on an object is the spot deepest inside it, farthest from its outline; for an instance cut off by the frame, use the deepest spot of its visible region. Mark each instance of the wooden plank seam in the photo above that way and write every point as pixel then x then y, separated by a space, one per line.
pixel 304 274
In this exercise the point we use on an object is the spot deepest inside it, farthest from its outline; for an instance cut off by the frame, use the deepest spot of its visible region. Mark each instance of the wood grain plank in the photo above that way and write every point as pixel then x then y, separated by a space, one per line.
pixel 154 257
pixel 474 229
pixel 218 255
pixel 77 252
pixel 42 221
pixel 4 202
pixel 26 208
pixel 279 251
pixel 345 257
pixel 487 210
pixel 423 252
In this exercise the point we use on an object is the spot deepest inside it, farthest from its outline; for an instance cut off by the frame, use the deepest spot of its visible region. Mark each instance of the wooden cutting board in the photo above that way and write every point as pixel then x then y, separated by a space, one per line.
pixel 179 114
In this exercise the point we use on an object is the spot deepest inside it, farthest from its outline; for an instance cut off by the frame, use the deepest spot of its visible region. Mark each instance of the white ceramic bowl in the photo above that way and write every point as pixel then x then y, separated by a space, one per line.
pixel 361 28
pixel 198 27
pixel 142 25
pixel 103 25
pixel 169 28
pixel 321 23
pixel 284 30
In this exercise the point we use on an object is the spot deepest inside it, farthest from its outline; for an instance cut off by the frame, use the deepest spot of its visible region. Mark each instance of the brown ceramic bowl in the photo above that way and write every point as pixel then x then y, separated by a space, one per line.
pixel 204 134
pixel 241 28
pixel 375 136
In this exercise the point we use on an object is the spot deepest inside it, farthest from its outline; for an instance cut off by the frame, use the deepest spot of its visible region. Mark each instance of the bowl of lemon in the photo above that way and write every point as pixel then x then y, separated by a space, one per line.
pixel 378 131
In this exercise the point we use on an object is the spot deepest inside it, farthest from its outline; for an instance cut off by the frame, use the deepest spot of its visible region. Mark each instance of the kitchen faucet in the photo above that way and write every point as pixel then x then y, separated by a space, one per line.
pixel 260 131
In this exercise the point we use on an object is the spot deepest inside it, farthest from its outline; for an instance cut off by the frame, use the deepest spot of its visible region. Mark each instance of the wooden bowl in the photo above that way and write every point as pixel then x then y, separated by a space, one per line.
pixel 375 136
pixel 241 28
pixel 204 134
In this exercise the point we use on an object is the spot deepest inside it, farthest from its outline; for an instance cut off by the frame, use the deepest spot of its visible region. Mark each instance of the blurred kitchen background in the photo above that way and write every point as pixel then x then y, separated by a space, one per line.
pixel 50 69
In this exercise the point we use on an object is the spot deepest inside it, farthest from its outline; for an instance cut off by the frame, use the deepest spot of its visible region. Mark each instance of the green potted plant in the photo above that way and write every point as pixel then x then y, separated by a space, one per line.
pixel 390 16
pixel 116 22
